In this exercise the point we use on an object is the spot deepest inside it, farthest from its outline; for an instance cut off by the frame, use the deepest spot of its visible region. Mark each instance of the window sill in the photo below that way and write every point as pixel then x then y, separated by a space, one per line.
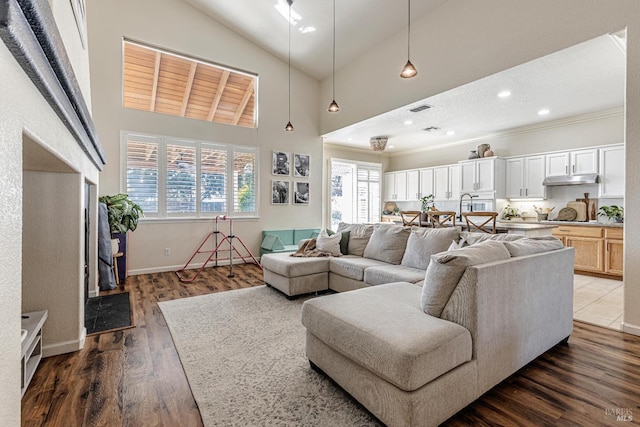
pixel 174 220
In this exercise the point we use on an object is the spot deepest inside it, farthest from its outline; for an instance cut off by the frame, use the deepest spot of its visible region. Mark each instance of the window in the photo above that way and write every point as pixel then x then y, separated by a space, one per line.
pixel 165 82
pixel 355 192
pixel 171 177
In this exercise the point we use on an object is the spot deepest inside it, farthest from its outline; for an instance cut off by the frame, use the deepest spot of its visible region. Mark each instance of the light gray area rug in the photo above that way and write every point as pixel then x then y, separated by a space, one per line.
pixel 243 354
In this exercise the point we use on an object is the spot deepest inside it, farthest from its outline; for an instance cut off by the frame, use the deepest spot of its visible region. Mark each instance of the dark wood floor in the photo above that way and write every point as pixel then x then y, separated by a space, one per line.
pixel 133 377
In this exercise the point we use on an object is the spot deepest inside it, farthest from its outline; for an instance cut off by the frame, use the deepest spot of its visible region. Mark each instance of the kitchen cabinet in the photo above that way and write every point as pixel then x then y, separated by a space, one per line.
pixel 578 162
pixel 426 182
pixel 597 249
pixel 524 177
pixel 413 185
pixel 611 172
pixel 446 182
pixel 483 175
pixel 395 186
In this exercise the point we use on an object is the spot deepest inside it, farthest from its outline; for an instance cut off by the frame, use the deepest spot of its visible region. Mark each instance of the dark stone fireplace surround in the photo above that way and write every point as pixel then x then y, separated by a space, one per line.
pixel 29 30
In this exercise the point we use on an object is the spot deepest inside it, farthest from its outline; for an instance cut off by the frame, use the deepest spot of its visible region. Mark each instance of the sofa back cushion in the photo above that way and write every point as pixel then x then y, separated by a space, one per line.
pixel 424 242
pixel 359 235
pixel 446 269
pixel 388 243
pixel 469 238
pixel 530 246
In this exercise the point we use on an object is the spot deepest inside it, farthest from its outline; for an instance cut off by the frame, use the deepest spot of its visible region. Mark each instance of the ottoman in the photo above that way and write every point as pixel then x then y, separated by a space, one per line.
pixel 295 275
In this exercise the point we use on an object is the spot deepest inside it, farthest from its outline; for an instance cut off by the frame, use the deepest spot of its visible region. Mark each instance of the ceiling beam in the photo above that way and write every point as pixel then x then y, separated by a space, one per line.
pixel 243 103
pixel 218 97
pixel 187 92
pixel 156 75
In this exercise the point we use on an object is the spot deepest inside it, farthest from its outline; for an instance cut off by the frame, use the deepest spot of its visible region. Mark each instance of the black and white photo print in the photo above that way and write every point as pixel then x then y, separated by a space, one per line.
pixel 281 163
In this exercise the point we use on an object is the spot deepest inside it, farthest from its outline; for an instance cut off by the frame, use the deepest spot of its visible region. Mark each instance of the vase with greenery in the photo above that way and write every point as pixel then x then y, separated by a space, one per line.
pixel 509 213
pixel 613 213
pixel 427 203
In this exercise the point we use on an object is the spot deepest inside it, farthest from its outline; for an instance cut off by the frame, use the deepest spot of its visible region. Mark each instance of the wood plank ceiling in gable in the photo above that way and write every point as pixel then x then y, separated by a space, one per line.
pixel 166 83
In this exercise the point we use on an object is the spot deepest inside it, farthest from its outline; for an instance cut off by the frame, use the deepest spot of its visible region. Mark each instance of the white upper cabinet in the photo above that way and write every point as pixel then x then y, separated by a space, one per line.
pixel 577 162
pixel 482 175
pixel 401 185
pixel 525 176
pixel 413 185
pixel 396 186
pixel 446 182
pixel 426 182
pixel 612 172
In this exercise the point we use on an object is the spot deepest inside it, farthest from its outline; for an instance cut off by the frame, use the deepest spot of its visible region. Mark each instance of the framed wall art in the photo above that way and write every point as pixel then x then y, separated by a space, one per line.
pixel 301 164
pixel 281 163
pixel 279 192
pixel 301 193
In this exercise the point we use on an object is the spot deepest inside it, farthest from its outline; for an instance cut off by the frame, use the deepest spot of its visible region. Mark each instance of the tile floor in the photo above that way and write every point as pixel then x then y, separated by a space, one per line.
pixel 597 301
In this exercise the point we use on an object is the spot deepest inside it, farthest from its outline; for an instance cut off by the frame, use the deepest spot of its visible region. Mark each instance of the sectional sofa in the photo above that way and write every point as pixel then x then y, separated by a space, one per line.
pixel 415 352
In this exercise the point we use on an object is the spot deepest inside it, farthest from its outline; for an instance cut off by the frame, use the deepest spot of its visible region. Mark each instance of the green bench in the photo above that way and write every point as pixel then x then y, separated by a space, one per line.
pixel 285 240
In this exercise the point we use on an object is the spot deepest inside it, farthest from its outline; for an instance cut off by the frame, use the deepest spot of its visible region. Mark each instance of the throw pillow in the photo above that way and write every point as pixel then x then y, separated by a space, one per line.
pixel 424 242
pixel 446 269
pixel 359 235
pixel 530 246
pixel 344 243
pixel 388 243
pixel 329 244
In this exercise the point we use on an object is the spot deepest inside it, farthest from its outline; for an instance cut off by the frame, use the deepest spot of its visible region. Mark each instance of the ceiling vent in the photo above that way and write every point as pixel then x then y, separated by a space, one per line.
pixel 421 108
pixel 431 129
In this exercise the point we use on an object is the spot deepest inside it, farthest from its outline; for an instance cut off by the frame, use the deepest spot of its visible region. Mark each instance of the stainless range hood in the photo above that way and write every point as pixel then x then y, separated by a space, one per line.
pixel 589 178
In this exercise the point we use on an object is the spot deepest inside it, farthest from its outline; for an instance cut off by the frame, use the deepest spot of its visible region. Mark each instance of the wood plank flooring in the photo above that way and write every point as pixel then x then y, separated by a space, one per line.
pixel 134 377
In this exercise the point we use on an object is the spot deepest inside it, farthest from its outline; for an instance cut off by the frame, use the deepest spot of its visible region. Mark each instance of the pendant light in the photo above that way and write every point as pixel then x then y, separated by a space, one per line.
pixel 333 107
pixel 409 70
pixel 289 126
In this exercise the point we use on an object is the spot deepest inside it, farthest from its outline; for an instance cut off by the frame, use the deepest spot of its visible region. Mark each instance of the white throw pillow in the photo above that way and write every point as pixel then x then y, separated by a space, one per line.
pixel 329 244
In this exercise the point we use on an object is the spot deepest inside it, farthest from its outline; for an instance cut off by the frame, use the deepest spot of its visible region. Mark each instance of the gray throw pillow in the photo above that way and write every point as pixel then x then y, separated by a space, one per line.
pixel 388 243
pixel 344 243
pixel 424 242
pixel 359 235
pixel 446 269
pixel 530 246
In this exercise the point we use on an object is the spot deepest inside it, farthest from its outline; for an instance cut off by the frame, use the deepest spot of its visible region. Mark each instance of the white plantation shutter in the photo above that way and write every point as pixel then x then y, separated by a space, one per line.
pixel 183 178
pixel 142 172
pixel 368 204
pixel 244 181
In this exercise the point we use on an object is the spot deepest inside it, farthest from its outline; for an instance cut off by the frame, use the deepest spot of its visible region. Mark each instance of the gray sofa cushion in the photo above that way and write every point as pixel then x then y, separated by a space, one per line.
pixel 359 235
pixel 285 265
pixel 352 266
pixel 446 269
pixel 387 243
pixel 392 273
pixel 530 246
pixel 386 332
pixel 469 238
pixel 424 242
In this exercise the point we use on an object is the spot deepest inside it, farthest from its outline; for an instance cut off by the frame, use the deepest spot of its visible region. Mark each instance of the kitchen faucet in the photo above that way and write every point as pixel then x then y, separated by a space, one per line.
pixel 470 204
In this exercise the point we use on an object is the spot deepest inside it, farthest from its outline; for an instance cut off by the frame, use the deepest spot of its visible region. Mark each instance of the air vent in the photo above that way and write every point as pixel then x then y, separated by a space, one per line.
pixel 431 129
pixel 421 108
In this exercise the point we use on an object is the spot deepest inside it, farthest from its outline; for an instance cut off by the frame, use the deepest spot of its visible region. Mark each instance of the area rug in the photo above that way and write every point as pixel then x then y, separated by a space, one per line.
pixel 107 313
pixel 243 355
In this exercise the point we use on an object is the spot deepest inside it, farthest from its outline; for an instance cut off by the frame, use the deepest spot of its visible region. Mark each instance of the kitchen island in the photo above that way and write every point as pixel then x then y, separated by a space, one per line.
pixel 529 229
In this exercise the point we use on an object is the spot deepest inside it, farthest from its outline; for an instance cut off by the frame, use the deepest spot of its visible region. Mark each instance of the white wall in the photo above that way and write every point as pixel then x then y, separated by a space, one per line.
pixel 177 26
pixel 466 40
pixel 25 113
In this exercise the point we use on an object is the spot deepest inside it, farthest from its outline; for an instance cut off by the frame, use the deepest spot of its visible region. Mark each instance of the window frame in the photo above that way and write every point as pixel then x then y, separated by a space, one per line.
pixel 162 143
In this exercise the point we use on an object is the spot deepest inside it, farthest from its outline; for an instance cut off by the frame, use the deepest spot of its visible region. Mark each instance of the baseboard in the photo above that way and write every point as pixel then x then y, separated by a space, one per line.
pixel 192 266
pixel 65 347
pixel 630 329
pixel 94 293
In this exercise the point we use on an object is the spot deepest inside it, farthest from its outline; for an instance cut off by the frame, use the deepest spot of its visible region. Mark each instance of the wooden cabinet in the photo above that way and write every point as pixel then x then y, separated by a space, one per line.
pixel 483 176
pixel 578 162
pixel 524 177
pixel 597 249
pixel 612 172
pixel 446 182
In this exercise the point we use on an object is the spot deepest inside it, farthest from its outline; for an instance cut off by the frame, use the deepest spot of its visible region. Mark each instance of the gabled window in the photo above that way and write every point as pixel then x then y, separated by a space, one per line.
pixel 171 177
pixel 165 82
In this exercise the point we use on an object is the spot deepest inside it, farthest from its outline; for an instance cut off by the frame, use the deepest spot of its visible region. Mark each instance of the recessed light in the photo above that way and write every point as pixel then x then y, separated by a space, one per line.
pixel 408 122
pixel 349 139
pixel 391 146
pixel 543 112
pixel 504 94
pixel 451 133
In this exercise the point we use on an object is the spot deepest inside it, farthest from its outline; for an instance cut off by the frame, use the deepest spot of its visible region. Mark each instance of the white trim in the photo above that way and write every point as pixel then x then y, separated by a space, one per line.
pixel 65 346
pixel 630 329
pixel 192 266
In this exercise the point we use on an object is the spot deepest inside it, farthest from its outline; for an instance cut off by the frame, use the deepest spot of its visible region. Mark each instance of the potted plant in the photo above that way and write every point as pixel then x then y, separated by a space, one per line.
pixel 427 203
pixel 509 213
pixel 613 213
pixel 123 216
